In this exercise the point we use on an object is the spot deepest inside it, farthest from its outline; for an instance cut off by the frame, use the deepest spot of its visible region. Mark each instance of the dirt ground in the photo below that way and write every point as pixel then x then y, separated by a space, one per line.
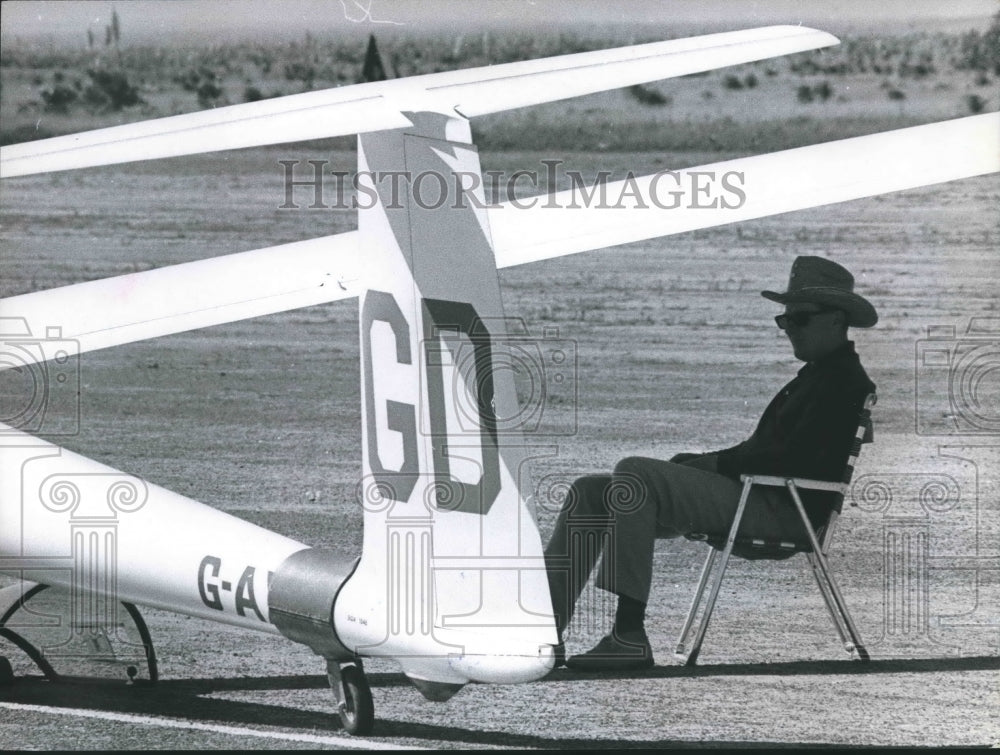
pixel 675 351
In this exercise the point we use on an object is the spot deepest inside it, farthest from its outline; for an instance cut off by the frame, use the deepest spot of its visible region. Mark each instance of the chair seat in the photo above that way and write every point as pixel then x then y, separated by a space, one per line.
pixel 756 549
pixel 764 551
pixel 815 546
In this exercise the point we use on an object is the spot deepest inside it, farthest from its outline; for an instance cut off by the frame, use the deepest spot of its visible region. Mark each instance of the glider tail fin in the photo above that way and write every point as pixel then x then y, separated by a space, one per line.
pixel 451 580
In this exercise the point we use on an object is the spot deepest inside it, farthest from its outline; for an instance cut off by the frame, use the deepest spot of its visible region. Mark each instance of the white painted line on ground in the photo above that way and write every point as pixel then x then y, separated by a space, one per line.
pixel 238 731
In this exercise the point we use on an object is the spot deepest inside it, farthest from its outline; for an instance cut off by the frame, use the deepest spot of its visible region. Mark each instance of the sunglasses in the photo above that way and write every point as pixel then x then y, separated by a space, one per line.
pixel 798 319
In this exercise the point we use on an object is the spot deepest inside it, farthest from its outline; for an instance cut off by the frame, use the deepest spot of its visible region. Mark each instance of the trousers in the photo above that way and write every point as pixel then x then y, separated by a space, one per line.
pixel 618 517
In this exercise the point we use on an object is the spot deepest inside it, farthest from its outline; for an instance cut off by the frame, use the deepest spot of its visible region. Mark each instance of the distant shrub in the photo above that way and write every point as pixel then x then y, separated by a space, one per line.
pixel 192 79
pixel 803 66
pixel 918 70
pixel 299 71
pixel 110 91
pixel 991 40
pixel 896 94
pixel 203 82
pixel 59 98
pixel 253 94
pixel 981 52
pixel 806 94
pixel 648 96
pixel 208 94
pixel 732 82
pixel 975 103
pixel 750 81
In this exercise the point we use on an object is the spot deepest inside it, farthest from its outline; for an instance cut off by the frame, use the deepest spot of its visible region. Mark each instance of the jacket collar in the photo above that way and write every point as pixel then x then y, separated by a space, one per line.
pixel 843 353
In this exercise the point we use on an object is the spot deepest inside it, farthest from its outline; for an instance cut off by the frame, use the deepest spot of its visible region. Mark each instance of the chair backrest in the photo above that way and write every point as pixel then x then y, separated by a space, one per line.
pixel 864 434
pixel 753 549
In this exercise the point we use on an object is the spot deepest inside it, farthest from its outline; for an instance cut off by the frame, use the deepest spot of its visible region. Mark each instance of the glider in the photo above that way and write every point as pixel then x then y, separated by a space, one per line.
pixel 451 581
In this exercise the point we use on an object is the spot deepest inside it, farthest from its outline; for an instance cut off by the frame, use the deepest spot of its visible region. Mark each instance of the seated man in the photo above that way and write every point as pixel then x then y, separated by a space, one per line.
pixel 806 431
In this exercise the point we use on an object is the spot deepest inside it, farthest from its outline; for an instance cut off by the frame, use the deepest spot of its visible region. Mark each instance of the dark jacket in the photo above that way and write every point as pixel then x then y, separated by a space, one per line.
pixel 808 428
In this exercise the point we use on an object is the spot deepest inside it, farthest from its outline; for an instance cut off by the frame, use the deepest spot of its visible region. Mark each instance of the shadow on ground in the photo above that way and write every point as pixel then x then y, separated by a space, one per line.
pixel 191 699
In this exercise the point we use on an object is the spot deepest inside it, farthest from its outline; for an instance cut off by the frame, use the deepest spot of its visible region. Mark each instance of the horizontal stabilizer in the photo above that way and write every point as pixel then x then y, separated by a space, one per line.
pixel 134 307
pixel 380 105
pixel 751 187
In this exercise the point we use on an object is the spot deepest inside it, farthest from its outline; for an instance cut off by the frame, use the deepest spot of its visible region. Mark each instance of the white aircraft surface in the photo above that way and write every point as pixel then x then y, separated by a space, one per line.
pixel 451 581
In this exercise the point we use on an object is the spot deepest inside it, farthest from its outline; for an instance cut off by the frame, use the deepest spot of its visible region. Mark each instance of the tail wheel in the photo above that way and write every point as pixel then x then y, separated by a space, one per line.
pixel 356 709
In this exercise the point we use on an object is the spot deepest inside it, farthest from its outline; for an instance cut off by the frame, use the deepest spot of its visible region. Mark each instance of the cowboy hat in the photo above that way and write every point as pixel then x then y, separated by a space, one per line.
pixel 821 281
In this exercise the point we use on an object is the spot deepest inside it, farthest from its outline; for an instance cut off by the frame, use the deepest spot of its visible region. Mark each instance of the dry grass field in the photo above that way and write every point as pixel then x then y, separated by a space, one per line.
pixel 676 350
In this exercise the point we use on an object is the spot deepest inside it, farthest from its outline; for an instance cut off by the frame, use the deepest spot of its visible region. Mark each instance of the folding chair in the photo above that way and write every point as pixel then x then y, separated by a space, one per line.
pixel 815 550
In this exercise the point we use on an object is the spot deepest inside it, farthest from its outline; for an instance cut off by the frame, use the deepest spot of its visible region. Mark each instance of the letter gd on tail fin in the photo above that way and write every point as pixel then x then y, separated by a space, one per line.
pixel 451 581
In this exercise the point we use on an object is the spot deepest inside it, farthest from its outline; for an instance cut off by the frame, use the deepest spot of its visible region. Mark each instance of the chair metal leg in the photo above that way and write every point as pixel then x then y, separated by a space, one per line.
pixel 828 599
pixel 691 658
pixel 824 588
pixel 706 570
pixel 856 645
pixel 831 605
